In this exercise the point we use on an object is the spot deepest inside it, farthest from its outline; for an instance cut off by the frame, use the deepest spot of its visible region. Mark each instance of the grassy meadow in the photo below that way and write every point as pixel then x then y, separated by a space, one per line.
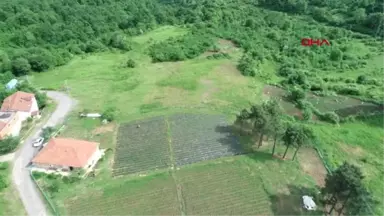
pixel 201 85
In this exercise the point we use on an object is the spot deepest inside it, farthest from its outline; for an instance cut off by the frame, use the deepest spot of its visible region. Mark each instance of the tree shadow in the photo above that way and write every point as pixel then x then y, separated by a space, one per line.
pixel 241 142
pixel 230 139
pixel 291 203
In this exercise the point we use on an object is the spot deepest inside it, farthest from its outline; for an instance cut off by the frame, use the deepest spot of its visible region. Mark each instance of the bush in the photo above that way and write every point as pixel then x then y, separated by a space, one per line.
pixel 131 63
pixel 296 94
pixel 8 144
pixel 38 175
pixel 109 114
pixel 247 65
pixel 330 117
pixel 70 179
pixel 3 182
pixel 53 187
pixel 20 66
pixel 307 114
pixel 47 132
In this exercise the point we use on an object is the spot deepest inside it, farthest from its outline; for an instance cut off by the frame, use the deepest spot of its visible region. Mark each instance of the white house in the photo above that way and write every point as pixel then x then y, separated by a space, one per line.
pixel 23 103
pixel 66 154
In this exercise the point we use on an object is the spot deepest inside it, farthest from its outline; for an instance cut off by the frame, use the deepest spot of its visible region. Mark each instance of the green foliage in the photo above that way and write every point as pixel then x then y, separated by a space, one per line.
pixel 178 49
pixel 247 65
pixel 47 132
pixel 131 63
pixel 307 114
pixel 20 66
pixel 109 114
pixel 8 144
pixel 330 117
pixel 296 94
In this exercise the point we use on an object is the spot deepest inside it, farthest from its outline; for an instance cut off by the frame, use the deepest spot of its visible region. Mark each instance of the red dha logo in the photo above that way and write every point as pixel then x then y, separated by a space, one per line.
pixel 310 42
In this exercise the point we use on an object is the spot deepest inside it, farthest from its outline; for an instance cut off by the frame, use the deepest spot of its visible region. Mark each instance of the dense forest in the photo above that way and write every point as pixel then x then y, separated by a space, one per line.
pixel 38 35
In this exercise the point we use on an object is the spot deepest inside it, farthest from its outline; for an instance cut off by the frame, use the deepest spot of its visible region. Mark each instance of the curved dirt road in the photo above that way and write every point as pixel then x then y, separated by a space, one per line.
pixel 29 194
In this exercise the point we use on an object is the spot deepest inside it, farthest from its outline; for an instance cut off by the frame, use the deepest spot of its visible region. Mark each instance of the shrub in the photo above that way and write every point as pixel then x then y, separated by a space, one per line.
pixel 20 66
pixel 131 63
pixel 8 144
pixel 307 114
pixel 330 117
pixel 38 175
pixel 247 65
pixel 70 179
pixel 3 182
pixel 296 94
pixel 109 114
pixel 348 91
pixel 53 187
pixel 47 132
pixel 361 79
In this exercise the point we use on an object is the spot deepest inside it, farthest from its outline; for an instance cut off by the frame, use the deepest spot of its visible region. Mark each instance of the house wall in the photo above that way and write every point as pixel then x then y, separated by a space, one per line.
pixel 13 126
pixel 93 159
pixel 48 167
pixel 35 106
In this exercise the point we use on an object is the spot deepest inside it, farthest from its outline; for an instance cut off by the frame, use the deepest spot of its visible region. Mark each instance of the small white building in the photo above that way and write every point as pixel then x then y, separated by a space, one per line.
pixel 25 104
pixel 66 154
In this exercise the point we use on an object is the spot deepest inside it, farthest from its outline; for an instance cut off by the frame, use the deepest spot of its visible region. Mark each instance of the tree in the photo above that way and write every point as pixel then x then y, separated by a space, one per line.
pixel 260 122
pixel 20 66
pixel 305 135
pixel 296 94
pixel 290 136
pixel 275 127
pixel 342 184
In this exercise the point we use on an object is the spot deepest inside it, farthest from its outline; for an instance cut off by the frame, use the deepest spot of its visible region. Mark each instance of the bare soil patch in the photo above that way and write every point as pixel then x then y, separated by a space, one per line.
pixel 349 149
pixel 104 129
pixel 210 89
pixel 312 165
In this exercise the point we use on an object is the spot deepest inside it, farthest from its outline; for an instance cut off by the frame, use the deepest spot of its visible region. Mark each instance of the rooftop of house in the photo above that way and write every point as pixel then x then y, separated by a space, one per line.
pixel 18 101
pixel 66 152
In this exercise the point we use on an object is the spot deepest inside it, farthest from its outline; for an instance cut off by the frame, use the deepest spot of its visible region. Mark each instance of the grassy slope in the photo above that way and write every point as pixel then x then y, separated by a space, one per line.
pixel 99 81
pixel 10 203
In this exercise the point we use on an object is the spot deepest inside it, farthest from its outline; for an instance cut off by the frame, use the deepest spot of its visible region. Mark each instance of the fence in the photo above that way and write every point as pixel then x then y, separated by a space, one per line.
pixel 46 197
pixel 329 170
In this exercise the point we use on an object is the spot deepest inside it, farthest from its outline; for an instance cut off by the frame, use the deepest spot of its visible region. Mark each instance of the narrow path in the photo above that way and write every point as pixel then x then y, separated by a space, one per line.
pixel 29 194
pixel 173 168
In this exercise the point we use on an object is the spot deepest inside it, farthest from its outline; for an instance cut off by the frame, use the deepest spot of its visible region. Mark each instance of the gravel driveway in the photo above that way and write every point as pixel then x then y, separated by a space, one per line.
pixel 29 194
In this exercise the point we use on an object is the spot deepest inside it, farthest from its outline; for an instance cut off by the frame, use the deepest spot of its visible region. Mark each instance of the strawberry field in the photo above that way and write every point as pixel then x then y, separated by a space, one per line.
pixel 141 146
pixel 197 137
pixel 223 189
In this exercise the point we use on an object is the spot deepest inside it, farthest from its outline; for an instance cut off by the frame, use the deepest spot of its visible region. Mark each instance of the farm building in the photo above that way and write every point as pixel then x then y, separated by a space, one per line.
pixel 11 84
pixel 66 154
pixel 21 102
pixel 10 125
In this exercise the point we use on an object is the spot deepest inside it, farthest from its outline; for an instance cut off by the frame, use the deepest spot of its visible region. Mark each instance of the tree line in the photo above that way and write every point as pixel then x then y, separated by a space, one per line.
pixel 344 188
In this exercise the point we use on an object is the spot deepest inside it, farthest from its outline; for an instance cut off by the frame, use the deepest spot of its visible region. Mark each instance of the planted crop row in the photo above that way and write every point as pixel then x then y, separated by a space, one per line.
pixel 129 200
pixel 141 146
pixel 223 189
pixel 201 137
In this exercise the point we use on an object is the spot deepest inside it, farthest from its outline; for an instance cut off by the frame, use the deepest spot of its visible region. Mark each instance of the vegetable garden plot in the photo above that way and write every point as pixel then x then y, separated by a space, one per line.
pixel 150 196
pixel 141 146
pixel 223 189
pixel 198 137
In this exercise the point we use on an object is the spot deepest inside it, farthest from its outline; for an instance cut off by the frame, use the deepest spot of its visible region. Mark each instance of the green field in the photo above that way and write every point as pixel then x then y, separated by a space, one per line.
pixel 198 85
pixel 10 203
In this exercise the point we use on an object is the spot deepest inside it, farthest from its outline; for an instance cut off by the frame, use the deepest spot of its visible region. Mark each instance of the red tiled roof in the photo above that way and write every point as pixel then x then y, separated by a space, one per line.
pixel 19 101
pixel 66 152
